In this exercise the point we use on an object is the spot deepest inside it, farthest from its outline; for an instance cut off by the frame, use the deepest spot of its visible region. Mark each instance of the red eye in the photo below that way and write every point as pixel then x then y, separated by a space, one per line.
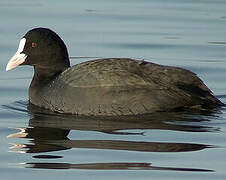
pixel 33 44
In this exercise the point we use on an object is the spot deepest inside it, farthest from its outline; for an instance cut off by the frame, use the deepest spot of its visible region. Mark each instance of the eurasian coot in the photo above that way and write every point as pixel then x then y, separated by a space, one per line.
pixel 109 87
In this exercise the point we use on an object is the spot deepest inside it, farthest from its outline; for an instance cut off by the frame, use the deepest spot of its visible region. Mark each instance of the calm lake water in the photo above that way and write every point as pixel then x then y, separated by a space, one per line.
pixel 189 34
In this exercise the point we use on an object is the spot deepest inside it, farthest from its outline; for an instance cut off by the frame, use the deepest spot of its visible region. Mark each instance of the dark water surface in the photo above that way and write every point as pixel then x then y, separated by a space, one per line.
pixel 190 34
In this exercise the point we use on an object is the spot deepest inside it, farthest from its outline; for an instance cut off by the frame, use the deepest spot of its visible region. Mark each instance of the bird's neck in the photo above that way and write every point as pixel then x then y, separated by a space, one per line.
pixel 43 75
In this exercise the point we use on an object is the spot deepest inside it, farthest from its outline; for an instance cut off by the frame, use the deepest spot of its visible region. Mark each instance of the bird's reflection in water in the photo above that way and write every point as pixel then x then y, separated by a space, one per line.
pixel 109 166
pixel 48 132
